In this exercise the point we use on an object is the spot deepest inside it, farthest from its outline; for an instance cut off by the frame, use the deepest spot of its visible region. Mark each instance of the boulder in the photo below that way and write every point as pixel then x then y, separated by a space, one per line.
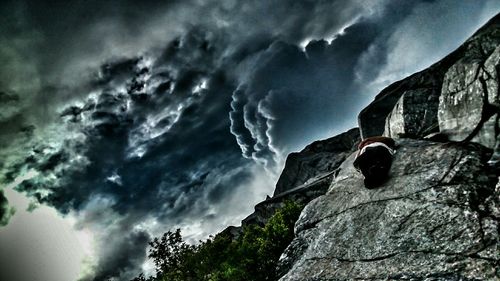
pixel 436 218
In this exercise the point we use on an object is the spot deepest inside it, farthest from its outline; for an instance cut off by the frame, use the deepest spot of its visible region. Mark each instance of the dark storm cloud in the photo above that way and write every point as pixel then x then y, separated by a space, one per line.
pixel 152 150
pixel 290 90
pixel 289 93
pixel 154 138
pixel 153 134
pixel 128 251
pixel 54 41
pixel 67 31
pixel 9 104
pixel 5 211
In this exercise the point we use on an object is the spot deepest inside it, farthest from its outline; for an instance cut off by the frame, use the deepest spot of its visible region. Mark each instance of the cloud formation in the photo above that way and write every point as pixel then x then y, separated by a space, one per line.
pixel 289 91
pixel 142 117
pixel 150 142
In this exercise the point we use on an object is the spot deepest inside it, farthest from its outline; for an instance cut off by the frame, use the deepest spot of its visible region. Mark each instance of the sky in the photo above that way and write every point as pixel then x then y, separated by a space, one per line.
pixel 121 120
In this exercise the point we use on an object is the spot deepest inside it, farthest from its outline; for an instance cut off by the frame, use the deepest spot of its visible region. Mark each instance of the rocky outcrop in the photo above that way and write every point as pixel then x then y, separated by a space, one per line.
pixel 437 217
pixel 469 103
pixel 426 102
pixel 307 174
pixel 392 112
pixel 408 120
pixel 316 159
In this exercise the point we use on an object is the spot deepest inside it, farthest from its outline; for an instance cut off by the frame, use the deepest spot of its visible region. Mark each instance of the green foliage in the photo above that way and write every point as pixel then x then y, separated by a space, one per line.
pixel 251 257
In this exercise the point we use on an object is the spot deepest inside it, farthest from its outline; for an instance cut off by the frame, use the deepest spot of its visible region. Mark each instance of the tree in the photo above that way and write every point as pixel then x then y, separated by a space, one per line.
pixel 171 256
pixel 251 257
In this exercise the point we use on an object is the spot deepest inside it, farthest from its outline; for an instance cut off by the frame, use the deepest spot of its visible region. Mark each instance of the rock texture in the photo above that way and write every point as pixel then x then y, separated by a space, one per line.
pixel 436 218
pixel 408 120
pixel 469 101
pixel 317 159
pixel 438 215
pixel 457 96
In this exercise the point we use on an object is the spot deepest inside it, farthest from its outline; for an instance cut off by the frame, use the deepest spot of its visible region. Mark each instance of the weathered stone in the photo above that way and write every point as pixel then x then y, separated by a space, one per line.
pixel 487 134
pixel 413 115
pixel 372 119
pixel 417 96
pixel 462 102
pixel 317 159
pixel 233 232
pixel 438 215
pixel 468 105
pixel 306 175
pixel 394 123
pixel 495 157
pixel 433 219
pixel 491 68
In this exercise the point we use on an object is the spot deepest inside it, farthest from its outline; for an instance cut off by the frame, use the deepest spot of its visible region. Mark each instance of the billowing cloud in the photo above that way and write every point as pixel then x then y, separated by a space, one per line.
pixel 291 93
pixel 152 139
pixel 143 117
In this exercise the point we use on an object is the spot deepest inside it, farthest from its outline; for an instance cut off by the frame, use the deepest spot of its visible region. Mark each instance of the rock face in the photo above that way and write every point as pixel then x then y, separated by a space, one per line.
pixel 436 217
pixel 469 102
pixel 409 120
pixel 392 110
pixel 457 96
pixel 307 174
pixel 318 158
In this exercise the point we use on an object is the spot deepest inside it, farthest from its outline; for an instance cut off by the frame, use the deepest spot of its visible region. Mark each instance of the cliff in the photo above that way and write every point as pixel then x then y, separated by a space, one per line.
pixel 456 95
pixel 438 215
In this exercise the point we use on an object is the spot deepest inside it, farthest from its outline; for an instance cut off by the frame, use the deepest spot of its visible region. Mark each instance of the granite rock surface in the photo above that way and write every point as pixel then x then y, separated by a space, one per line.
pixel 436 218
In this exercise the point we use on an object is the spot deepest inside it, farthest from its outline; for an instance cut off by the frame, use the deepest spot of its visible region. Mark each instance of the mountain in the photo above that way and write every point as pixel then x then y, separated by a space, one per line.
pixel 438 215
